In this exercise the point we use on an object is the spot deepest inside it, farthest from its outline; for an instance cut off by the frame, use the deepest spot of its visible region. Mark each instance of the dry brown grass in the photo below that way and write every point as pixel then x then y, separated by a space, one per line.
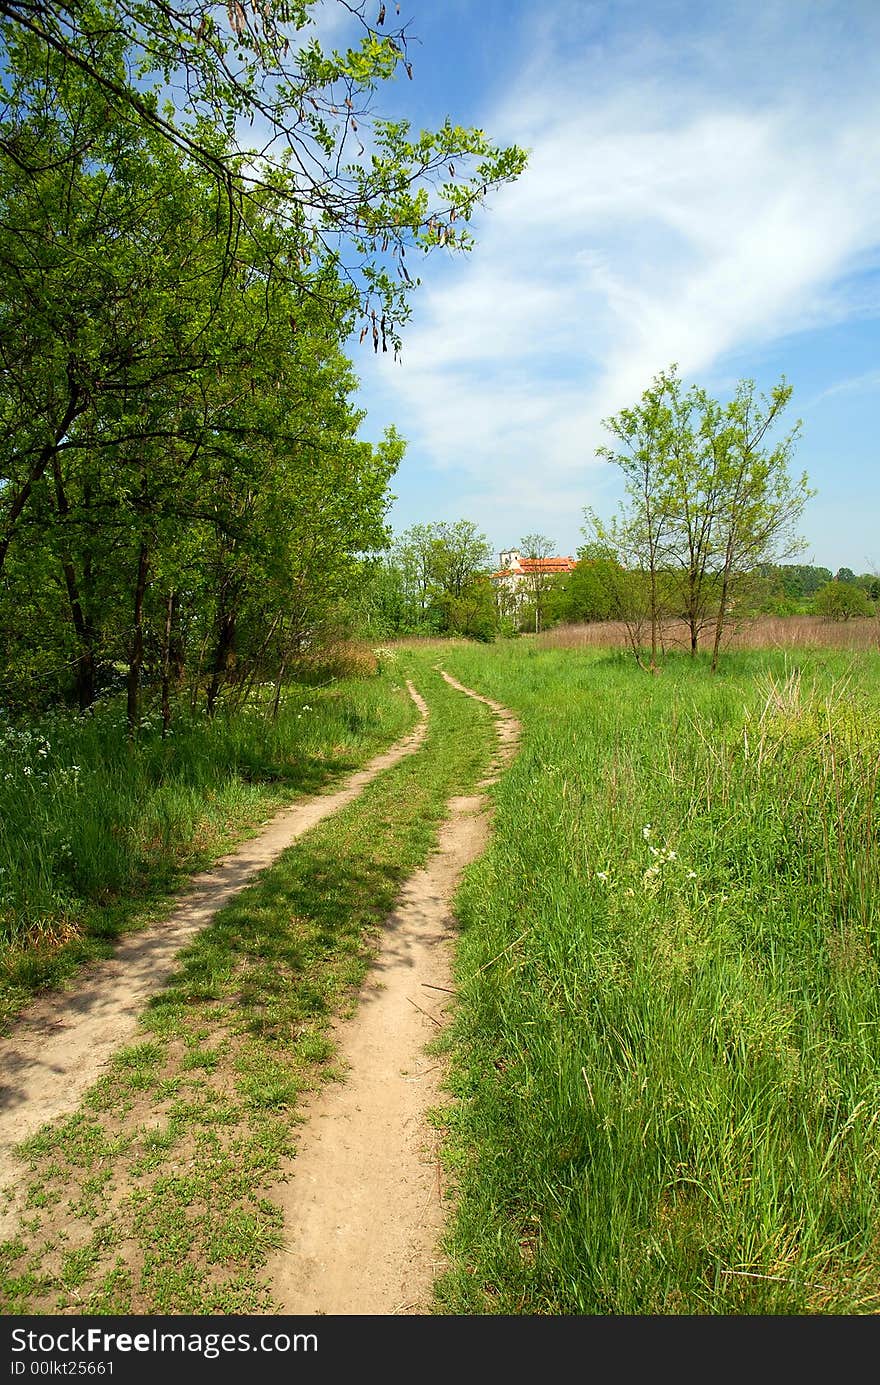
pixel 339 659
pixel 763 632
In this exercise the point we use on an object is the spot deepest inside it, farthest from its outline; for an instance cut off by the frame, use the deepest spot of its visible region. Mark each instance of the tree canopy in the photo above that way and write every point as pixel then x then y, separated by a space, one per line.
pixel 248 93
pixel 198 207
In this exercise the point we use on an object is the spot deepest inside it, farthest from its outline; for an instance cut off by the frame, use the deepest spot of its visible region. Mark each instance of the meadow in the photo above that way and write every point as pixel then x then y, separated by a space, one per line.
pixel 97 828
pixel 666 1067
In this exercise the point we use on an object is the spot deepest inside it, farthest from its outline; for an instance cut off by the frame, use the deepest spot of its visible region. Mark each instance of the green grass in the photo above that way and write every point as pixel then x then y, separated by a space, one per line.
pixel 96 832
pixel 154 1196
pixel 667 1066
pixel 666 1070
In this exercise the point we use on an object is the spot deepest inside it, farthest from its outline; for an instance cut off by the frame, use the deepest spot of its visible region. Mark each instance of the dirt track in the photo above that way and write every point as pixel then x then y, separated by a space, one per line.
pixel 363 1199
pixel 62 1042
pixel 363 1203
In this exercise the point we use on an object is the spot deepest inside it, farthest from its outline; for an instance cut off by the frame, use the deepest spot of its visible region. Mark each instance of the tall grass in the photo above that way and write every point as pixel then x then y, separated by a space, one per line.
pixel 669 1072
pixel 91 823
pixel 761 632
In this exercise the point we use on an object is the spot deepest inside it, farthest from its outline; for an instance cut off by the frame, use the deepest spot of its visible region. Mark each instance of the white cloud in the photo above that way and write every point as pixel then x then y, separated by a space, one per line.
pixel 660 220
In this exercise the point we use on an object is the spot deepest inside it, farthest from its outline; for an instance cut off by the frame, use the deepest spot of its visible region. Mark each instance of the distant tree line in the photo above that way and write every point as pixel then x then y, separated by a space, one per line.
pixel 437 579
pixel 592 592
pixel 434 581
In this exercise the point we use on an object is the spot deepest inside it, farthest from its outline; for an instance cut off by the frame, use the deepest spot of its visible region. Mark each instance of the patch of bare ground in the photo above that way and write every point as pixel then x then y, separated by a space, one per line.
pixel 363 1201
pixel 62 1043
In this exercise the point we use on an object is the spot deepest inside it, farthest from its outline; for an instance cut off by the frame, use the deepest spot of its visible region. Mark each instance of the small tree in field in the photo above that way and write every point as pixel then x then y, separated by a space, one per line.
pixel 630 595
pixel 759 505
pixel 842 600
pixel 708 499
pixel 639 538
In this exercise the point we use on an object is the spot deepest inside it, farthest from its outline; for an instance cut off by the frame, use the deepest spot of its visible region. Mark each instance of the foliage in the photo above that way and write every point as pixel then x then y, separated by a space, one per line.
pixel 586 594
pixel 535 586
pixel 183 494
pixel 433 582
pixel 267 112
pixel 708 499
pixel 795 580
pixel 841 600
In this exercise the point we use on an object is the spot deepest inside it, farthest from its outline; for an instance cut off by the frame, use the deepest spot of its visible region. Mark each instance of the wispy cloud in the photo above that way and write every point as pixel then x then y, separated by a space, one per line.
pixel 868 381
pixel 678 206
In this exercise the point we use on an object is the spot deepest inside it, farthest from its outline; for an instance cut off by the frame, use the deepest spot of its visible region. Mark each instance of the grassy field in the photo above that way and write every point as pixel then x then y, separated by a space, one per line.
pixel 153 1198
pixel 95 831
pixel 665 1066
pixel 666 1062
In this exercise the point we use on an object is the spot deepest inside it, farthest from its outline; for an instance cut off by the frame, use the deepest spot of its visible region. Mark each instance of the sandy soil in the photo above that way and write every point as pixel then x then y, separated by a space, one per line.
pixel 62 1042
pixel 363 1201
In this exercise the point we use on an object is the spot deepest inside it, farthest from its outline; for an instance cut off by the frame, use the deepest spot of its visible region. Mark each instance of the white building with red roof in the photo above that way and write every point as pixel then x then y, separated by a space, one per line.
pixel 520 582
pixel 516 573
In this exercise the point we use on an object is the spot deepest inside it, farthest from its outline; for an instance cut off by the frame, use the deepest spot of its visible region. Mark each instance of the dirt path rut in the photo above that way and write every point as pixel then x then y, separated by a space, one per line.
pixel 363 1201
pixel 61 1043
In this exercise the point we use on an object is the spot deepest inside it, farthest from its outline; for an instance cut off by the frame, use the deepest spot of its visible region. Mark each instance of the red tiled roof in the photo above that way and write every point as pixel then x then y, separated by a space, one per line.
pixel 532 566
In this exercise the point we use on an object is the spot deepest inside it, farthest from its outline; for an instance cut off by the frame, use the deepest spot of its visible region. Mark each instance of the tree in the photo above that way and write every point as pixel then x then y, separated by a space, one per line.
pixel 586 593
pixel 631 592
pixel 182 492
pixel 760 504
pixel 377 599
pixel 473 613
pixel 797 581
pixel 442 567
pixel 841 600
pixel 709 498
pixel 356 190
pixel 459 555
pixel 207 488
pixel 639 538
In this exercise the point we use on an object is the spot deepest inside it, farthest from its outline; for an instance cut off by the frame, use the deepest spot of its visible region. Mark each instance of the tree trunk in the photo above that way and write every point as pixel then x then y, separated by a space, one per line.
pixel 167 638
pixel 278 682
pixel 136 656
pixel 46 454
pixel 84 675
pixel 719 623
pixel 223 650
pixel 653 617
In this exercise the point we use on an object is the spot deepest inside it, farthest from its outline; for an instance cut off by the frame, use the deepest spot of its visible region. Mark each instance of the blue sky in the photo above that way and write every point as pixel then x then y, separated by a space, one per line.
pixel 704 188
